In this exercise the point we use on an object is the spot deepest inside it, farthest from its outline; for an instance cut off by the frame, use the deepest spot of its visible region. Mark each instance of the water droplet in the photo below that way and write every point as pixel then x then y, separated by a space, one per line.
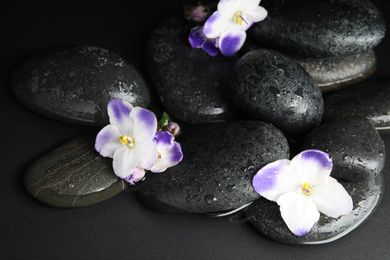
pixel 231 187
pixel 71 185
pixel 210 199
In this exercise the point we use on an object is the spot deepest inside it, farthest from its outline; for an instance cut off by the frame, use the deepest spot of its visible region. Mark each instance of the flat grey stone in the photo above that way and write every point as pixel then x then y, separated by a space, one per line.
pixel 369 99
pixel 74 84
pixel 335 73
pixel 320 28
pixel 190 84
pixel 216 172
pixel 73 175
pixel 265 216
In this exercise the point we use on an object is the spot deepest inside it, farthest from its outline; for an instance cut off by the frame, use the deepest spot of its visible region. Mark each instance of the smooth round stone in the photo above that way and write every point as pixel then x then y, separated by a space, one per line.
pixel 265 216
pixel 356 148
pixel 74 84
pixel 269 86
pixel 334 73
pixel 369 99
pixel 216 172
pixel 73 175
pixel 320 28
pixel 190 84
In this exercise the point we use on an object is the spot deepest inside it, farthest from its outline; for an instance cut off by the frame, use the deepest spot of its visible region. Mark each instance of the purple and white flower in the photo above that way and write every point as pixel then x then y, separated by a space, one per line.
pixel 197 39
pixel 229 23
pixel 303 188
pixel 128 139
pixel 169 152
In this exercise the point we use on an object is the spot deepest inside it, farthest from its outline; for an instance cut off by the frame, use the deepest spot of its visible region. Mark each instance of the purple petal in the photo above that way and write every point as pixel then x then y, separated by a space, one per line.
pixel 107 141
pixel 196 37
pixel 320 156
pixel 209 46
pixel 136 176
pixel 275 179
pixel 163 140
pixel 175 155
pixel 145 124
pixel 215 25
pixel 231 42
pixel 118 110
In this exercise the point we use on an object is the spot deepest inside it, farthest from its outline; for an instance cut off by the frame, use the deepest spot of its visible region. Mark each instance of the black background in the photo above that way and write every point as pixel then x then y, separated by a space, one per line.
pixel 122 227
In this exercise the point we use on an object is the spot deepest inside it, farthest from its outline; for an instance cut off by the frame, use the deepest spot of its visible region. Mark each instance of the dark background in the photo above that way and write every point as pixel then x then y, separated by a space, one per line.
pixel 122 227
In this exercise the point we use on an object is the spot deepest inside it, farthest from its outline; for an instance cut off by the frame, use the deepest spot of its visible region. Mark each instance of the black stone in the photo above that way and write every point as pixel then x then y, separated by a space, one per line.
pixel 216 172
pixel 190 83
pixel 73 175
pixel 334 73
pixel 265 216
pixel 271 87
pixel 356 148
pixel 320 28
pixel 74 84
pixel 369 99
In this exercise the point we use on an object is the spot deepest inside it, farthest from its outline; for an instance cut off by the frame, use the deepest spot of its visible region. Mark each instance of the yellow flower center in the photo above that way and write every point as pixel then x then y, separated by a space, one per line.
pixel 159 155
pixel 124 139
pixel 237 17
pixel 307 189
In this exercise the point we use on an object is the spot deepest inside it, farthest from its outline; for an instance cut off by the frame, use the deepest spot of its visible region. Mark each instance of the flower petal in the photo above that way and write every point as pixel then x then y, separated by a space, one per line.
pixel 312 166
pixel 163 140
pixel 231 41
pixel 118 111
pixel 210 47
pixel 196 37
pixel 227 8
pixel 136 176
pixel 145 125
pixel 332 199
pixel 124 162
pixel 275 179
pixel 107 141
pixel 247 5
pixel 299 212
pixel 169 158
pixel 146 153
pixel 215 25
pixel 257 14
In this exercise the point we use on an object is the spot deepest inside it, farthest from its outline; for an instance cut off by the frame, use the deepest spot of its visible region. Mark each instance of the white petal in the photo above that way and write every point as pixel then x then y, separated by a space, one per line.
pixel 312 166
pixel 146 153
pixel 119 111
pixel 227 8
pixel 124 162
pixel 332 199
pixel 275 179
pixel 257 14
pixel 247 5
pixel 145 125
pixel 299 212
pixel 107 141
pixel 216 24
pixel 231 41
pixel 136 176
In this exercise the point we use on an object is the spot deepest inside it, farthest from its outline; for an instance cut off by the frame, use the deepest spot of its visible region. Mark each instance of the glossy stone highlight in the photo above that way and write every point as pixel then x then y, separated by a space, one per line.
pixel 74 84
pixel 73 175
pixel 321 28
pixel 216 172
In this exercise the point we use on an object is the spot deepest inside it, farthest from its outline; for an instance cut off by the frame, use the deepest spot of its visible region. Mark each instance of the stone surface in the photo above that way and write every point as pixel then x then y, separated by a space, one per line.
pixel 216 172
pixel 356 148
pixel 73 175
pixel 320 28
pixel 271 87
pixel 369 99
pixel 190 83
pixel 265 216
pixel 334 73
pixel 74 84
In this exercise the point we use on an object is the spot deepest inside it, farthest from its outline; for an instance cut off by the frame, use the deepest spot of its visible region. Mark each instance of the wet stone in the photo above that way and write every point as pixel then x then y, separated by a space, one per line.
pixel 355 147
pixel 216 172
pixel 320 28
pixel 74 84
pixel 269 86
pixel 190 84
pixel 369 99
pixel 265 216
pixel 334 73
pixel 73 175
